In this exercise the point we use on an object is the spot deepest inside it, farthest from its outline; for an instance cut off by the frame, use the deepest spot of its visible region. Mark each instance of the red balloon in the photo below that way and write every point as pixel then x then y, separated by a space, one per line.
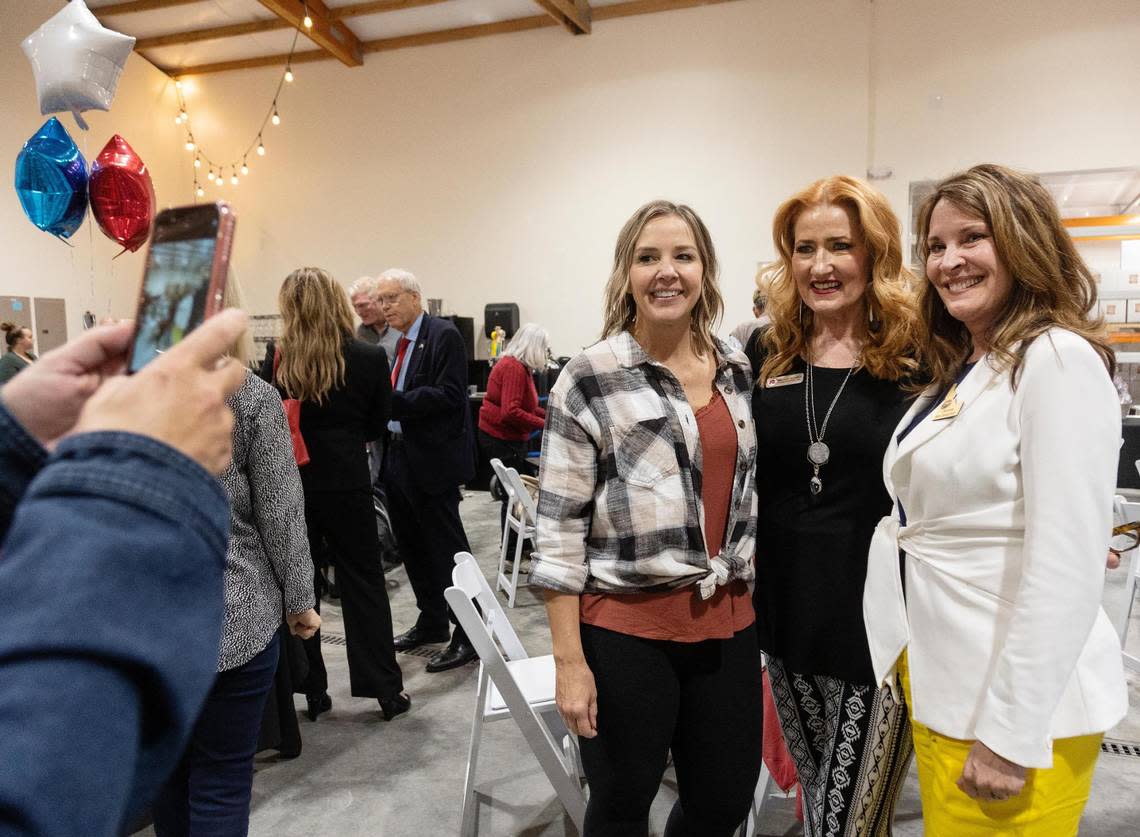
pixel 121 194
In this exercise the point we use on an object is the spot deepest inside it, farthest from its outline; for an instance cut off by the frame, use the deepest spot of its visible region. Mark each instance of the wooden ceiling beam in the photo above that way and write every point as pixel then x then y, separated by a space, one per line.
pixel 139 6
pixel 253 27
pixel 232 30
pixel 635 7
pixel 333 36
pixel 572 14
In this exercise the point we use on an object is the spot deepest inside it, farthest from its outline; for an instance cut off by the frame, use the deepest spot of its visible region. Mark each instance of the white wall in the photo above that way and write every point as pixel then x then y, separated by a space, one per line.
pixel 501 169
pixel 35 263
pixel 1043 85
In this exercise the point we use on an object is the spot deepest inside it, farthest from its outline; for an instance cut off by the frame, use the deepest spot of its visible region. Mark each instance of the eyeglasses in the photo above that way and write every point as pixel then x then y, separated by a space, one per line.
pixel 389 299
pixel 1126 536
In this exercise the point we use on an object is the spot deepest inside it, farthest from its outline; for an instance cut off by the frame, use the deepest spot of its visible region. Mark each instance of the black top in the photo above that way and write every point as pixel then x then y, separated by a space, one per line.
pixel 811 551
pixel 336 430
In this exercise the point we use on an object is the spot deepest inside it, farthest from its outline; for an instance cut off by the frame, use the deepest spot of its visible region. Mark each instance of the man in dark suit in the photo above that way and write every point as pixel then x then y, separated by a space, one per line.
pixel 430 453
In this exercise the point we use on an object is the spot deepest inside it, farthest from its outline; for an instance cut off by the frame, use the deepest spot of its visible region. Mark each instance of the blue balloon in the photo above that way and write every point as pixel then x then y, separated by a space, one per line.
pixel 51 180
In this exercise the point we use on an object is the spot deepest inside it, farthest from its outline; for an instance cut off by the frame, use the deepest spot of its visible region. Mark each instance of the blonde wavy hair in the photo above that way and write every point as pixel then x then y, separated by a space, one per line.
pixel 1052 286
pixel 619 310
pixel 316 323
pixel 888 351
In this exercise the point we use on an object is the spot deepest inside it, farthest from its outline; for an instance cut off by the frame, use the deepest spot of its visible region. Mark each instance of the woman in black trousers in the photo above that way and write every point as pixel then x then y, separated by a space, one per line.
pixel 344 389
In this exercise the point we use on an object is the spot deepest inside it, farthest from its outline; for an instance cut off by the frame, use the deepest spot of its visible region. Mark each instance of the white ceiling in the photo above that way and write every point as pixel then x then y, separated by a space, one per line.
pixel 206 14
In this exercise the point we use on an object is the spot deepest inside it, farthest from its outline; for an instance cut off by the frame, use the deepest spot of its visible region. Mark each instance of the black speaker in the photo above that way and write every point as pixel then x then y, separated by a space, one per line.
pixel 505 314
pixel 466 326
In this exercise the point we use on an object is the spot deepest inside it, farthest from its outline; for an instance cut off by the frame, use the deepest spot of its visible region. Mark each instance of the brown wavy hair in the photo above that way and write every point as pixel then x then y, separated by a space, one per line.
pixel 888 350
pixel 619 310
pixel 317 322
pixel 1052 286
pixel 13 333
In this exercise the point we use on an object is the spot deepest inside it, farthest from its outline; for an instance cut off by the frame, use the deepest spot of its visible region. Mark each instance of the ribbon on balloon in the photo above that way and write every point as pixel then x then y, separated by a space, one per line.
pixel 53 185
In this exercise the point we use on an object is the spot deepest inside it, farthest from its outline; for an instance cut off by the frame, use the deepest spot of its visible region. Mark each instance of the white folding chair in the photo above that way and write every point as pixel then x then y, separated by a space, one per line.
pixel 512 684
pixel 521 516
pixel 1126 512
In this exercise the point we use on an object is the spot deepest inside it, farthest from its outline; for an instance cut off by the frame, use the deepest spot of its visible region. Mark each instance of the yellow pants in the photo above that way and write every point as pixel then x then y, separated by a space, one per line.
pixel 1050 805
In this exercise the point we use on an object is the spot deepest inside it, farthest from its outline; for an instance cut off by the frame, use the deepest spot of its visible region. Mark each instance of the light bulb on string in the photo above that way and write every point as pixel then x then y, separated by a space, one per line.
pixel 244 168
pixel 276 120
pixel 260 147
pixel 288 74
pixel 308 21
pixel 234 177
pixel 199 190
pixel 177 84
pixel 178 119
pixel 197 162
pixel 190 144
pixel 210 176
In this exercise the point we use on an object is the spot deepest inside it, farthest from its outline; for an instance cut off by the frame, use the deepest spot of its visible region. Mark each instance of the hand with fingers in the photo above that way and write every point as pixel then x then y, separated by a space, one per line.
pixel 577 697
pixel 46 398
pixel 988 777
pixel 304 624
pixel 179 398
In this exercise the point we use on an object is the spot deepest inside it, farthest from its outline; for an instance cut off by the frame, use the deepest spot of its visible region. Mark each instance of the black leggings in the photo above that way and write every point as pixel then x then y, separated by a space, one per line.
pixel 704 701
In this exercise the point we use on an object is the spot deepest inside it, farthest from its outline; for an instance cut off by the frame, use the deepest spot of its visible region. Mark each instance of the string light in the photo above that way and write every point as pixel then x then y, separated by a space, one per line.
pixel 216 171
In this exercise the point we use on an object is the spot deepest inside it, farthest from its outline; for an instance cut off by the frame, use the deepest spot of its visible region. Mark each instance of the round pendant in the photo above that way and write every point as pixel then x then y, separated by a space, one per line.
pixel 818 453
pixel 816 485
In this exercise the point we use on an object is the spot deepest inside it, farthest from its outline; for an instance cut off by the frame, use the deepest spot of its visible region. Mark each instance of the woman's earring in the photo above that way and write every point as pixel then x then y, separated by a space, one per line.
pixel 801 310
pixel 873 324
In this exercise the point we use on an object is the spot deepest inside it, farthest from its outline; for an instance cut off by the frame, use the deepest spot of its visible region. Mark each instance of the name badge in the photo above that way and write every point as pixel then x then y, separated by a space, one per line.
pixel 949 407
pixel 784 380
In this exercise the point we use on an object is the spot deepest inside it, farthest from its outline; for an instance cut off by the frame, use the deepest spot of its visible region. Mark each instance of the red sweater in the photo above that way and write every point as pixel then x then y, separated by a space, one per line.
pixel 510 409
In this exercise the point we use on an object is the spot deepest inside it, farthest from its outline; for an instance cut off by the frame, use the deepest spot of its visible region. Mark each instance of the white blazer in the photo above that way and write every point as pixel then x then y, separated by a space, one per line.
pixel 1009 513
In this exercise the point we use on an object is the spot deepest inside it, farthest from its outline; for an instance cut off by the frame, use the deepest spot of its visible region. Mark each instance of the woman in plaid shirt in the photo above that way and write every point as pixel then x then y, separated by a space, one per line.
pixel 646 528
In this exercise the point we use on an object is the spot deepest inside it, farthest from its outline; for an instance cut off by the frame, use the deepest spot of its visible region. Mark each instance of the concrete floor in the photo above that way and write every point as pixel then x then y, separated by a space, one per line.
pixel 361 776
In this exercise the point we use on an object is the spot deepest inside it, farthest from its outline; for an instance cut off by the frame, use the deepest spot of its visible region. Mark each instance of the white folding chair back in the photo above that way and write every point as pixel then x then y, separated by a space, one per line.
pixel 523 525
pixel 1125 512
pixel 511 684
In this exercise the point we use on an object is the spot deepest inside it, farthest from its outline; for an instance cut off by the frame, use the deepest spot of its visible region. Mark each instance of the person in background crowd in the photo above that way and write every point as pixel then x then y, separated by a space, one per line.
pixel 268 581
pixel 19 355
pixel 510 411
pixel 646 522
pixel 431 452
pixel 110 586
pixel 738 337
pixel 373 327
pixel 1002 477
pixel 832 374
pixel 344 390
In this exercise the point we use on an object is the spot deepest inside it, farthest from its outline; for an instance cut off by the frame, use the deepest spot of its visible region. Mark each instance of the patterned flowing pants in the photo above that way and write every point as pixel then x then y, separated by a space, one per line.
pixel 852 747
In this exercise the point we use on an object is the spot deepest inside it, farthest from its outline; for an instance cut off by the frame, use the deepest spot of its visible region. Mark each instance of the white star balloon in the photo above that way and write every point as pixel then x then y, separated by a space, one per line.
pixel 76 61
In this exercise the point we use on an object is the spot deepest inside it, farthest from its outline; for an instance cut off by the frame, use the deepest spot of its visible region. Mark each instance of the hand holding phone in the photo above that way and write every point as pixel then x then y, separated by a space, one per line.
pixel 185 278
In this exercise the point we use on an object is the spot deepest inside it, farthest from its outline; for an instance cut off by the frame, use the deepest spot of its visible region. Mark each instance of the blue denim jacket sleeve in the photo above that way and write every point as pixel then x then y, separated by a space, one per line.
pixel 110 616
pixel 21 456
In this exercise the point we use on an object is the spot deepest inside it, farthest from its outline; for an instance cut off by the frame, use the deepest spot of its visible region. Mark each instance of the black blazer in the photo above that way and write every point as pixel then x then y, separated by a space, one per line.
pixel 336 430
pixel 433 409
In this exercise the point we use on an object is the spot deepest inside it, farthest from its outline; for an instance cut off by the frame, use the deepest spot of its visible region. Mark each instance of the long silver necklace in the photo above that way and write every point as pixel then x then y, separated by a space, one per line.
pixel 818 452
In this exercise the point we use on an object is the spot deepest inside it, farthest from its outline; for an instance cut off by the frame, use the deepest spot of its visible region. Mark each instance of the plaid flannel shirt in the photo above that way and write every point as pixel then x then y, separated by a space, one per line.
pixel 619 507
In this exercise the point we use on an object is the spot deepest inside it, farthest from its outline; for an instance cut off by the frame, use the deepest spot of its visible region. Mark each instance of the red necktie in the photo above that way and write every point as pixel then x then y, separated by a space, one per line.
pixel 401 350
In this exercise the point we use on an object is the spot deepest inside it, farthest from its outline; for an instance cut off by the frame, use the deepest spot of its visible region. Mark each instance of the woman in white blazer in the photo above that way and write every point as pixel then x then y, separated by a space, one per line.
pixel 1002 476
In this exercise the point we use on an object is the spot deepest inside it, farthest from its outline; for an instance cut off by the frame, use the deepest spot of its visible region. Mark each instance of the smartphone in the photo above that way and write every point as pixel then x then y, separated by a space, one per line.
pixel 185 277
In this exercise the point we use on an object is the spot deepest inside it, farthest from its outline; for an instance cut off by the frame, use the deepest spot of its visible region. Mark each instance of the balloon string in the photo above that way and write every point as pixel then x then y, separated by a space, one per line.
pixel 90 227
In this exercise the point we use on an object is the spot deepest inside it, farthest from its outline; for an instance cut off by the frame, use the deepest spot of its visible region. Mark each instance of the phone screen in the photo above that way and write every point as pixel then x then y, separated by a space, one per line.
pixel 177 280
